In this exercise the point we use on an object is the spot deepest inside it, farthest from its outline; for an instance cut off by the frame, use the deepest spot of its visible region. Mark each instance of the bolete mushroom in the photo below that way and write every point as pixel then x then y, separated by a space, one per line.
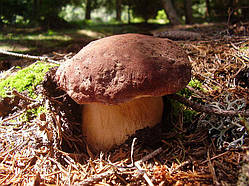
pixel 120 80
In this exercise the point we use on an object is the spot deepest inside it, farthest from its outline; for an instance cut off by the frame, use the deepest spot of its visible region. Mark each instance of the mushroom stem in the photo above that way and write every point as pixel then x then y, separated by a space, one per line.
pixel 107 125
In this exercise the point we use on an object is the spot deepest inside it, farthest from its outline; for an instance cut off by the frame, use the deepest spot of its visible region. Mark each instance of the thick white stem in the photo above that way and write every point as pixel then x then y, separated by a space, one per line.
pixel 108 125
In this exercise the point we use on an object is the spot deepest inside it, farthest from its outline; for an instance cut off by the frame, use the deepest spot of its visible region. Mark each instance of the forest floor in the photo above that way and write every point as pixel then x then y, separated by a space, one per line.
pixel 193 148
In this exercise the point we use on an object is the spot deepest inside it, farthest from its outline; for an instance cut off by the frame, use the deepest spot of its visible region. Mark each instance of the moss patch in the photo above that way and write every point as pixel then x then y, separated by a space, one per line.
pixel 25 79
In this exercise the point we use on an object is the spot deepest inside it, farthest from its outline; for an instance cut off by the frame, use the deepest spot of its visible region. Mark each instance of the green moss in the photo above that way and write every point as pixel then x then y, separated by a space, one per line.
pixel 25 79
pixel 177 107
pixel 31 113
pixel 194 83
pixel 188 115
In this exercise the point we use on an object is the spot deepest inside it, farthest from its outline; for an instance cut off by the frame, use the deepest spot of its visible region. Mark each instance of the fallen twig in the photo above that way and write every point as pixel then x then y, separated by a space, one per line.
pixel 211 169
pixel 95 178
pixel 132 151
pixel 30 106
pixel 13 116
pixel 217 156
pixel 206 109
pixel 146 177
pixel 46 59
pixel 137 163
pixel 198 92
pixel 179 35
pixel 179 166
pixel 22 96
pixel 151 155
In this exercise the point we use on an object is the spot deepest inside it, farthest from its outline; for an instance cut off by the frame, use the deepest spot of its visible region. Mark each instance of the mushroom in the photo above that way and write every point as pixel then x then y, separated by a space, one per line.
pixel 120 80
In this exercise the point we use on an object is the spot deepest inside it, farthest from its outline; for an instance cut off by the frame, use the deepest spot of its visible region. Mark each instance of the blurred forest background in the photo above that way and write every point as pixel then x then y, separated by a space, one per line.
pixel 78 13
pixel 39 26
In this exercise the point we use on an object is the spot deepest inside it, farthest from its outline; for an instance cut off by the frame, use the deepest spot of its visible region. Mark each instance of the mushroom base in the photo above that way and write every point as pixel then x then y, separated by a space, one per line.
pixel 107 125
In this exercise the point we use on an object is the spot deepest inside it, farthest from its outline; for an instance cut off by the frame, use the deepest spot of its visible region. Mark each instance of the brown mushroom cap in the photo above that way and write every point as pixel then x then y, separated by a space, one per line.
pixel 119 68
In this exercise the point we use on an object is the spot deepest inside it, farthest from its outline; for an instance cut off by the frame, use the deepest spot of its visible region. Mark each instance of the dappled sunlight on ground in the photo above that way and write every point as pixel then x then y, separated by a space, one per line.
pixel 11 47
pixel 90 33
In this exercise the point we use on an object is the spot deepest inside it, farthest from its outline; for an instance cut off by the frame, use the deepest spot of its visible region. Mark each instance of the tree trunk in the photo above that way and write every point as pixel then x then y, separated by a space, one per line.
pixel 88 9
pixel 207 8
pixel 118 10
pixel 35 12
pixel 129 14
pixel 188 11
pixel 171 13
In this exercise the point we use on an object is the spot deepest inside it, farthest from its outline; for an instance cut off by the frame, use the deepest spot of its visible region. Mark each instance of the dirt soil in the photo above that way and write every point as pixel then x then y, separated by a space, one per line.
pixel 202 149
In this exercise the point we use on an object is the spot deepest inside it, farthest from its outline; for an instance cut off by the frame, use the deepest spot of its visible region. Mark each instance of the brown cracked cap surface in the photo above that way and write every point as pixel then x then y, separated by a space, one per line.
pixel 119 68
